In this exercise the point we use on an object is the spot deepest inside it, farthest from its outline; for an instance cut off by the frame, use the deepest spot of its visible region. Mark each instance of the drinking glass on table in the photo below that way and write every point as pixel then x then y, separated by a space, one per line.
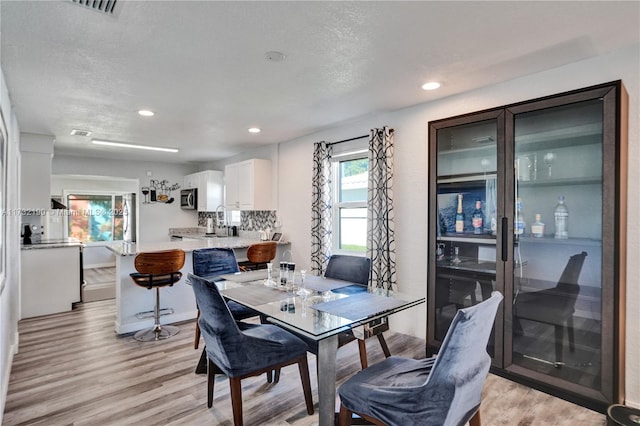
pixel 303 292
pixel 269 282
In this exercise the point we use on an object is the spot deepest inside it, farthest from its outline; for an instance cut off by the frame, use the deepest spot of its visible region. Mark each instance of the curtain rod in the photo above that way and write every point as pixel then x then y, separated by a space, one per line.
pixel 349 140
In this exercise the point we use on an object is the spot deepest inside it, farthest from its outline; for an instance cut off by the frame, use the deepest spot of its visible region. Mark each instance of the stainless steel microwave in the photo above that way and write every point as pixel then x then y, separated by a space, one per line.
pixel 189 199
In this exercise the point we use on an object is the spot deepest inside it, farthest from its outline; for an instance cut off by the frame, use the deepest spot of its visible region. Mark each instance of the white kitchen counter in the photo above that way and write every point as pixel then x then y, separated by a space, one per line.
pixel 50 278
pixel 132 299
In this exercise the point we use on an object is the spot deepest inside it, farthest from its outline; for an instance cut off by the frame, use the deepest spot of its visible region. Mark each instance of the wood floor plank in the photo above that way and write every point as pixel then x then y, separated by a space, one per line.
pixel 73 370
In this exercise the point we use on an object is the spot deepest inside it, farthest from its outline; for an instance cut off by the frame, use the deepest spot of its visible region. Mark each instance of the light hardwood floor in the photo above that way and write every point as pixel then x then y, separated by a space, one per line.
pixel 73 370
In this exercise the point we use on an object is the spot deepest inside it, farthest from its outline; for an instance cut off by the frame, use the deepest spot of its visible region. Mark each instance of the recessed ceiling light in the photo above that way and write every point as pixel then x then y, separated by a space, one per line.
pixel 432 85
pixel 254 130
pixel 274 56
pixel 130 145
pixel 146 113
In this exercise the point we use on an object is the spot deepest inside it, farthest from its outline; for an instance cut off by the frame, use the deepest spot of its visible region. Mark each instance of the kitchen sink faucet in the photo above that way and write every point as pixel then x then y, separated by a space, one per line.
pixel 224 218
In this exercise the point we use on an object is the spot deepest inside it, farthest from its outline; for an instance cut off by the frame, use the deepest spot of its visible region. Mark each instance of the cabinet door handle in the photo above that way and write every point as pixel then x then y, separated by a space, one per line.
pixel 505 238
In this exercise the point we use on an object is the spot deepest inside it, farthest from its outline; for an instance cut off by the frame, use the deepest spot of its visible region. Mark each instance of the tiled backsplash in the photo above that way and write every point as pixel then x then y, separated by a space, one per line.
pixel 255 220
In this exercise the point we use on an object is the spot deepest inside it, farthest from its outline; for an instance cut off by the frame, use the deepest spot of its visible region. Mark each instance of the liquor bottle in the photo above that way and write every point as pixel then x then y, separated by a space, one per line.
pixel 561 215
pixel 459 216
pixel 518 225
pixel 494 223
pixel 477 219
pixel 537 228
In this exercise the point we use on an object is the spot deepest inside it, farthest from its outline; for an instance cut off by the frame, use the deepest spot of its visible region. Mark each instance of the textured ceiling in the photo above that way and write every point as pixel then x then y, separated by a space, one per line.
pixel 201 66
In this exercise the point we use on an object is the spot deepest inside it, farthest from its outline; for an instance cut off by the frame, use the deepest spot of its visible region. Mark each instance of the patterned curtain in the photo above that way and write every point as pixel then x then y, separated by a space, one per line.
pixel 380 231
pixel 321 200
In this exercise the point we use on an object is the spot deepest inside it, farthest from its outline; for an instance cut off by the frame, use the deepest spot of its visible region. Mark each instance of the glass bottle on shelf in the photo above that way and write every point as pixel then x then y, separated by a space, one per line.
pixel 459 216
pixel 518 225
pixel 477 219
pixel 561 216
pixel 537 228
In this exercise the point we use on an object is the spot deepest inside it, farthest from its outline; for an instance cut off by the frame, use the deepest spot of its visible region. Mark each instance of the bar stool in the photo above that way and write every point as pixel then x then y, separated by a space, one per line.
pixel 155 270
pixel 260 254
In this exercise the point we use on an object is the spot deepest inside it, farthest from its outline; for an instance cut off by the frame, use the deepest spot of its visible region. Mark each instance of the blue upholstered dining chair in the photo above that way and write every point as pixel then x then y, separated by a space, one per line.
pixel 240 350
pixel 356 269
pixel 442 391
pixel 211 263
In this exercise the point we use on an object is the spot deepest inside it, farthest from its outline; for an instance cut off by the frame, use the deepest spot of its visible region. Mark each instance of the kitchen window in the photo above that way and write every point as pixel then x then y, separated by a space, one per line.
pixel 350 203
pixel 95 217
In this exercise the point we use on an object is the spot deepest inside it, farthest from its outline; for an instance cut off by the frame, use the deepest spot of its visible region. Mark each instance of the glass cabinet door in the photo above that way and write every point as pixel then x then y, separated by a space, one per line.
pixel 557 248
pixel 547 177
pixel 467 215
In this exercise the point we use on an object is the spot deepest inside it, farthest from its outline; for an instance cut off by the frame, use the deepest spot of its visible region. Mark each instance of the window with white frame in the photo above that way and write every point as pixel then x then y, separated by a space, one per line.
pixel 350 203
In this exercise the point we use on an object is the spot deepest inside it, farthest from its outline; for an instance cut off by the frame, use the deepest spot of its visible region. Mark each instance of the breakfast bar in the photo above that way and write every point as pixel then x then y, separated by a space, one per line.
pixel 132 299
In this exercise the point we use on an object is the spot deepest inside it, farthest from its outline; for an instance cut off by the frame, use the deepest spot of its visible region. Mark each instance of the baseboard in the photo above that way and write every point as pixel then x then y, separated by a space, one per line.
pixel 98 265
pixel 7 374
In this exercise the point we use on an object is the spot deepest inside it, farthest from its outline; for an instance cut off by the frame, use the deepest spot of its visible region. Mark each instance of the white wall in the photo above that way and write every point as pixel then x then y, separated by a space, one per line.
pixel 9 298
pixel 154 219
pixel 410 179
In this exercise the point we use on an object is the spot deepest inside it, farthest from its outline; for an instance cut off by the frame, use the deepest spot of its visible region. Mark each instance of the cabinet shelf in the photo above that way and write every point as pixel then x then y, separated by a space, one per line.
pixel 587 180
pixel 562 137
pixel 468 178
pixel 469 238
pixel 583 242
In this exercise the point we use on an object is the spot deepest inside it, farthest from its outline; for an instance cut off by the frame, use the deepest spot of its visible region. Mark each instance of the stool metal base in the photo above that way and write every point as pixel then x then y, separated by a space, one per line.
pixel 158 332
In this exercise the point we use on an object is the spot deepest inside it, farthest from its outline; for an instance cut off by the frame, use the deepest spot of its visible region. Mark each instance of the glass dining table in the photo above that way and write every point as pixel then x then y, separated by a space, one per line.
pixel 326 309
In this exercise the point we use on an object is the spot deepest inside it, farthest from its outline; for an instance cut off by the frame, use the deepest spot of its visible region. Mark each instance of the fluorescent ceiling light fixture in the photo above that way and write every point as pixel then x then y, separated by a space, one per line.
pixel 254 130
pixel 130 145
pixel 146 113
pixel 432 85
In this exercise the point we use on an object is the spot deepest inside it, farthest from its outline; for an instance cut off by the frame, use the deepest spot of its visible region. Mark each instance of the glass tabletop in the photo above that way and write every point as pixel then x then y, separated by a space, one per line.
pixel 321 313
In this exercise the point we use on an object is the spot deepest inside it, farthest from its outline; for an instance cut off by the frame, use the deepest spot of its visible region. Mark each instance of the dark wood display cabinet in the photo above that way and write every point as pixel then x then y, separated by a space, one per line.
pixel 530 199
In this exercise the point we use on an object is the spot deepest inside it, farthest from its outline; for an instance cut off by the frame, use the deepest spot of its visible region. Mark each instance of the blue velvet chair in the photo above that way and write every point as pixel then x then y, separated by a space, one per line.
pixel 357 269
pixel 240 350
pixel 210 263
pixel 440 391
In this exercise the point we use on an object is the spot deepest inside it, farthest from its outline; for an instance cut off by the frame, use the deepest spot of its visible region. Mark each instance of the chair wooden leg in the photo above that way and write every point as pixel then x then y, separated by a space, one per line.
pixel 276 375
pixel 383 344
pixel 572 346
pixel 303 367
pixel 196 342
pixel 559 335
pixel 269 376
pixel 362 347
pixel 236 400
pixel 344 418
pixel 475 420
pixel 211 378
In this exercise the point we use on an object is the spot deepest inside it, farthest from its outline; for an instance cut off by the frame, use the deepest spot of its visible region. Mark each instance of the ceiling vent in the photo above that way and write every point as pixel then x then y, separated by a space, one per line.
pixel 106 6
pixel 79 132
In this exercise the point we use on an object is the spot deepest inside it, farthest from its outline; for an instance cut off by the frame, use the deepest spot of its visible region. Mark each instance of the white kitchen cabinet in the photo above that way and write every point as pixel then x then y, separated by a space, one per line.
pixel 209 184
pixel 50 280
pixel 248 185
pixel 191 181
pixel 36 152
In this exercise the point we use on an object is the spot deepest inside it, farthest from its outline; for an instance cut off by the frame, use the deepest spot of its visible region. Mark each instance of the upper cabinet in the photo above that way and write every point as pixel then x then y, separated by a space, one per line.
pixel 529 200
pixel 248 185
pixel 209 184
pixel 36 152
